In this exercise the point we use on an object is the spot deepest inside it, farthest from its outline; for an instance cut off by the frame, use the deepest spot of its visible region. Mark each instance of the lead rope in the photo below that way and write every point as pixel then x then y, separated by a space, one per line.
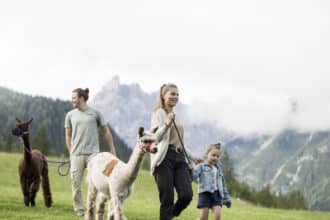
pixel 60 163
pixel 184 150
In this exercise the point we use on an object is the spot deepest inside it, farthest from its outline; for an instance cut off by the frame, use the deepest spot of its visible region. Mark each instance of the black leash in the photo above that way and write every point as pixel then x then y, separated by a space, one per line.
pixel 183 148
pixel 20 133
pixel 60 163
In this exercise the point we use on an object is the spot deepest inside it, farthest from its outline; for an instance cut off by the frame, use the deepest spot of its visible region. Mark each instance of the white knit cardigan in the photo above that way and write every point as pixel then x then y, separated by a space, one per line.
pixel 162 136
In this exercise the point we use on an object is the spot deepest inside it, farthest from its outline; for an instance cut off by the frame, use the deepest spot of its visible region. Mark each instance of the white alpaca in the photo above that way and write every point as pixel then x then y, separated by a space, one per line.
pixel 111 179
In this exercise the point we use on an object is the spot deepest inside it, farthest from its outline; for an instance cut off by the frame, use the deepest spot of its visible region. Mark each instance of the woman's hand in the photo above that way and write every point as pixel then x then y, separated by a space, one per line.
pixel 170 118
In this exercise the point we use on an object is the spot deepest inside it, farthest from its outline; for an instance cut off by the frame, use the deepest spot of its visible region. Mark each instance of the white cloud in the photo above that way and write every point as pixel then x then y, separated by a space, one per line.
pixel 240 58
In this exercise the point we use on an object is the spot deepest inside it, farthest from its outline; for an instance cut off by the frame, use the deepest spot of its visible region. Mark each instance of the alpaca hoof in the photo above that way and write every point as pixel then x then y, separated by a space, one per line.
pixel 89 216
pixel 26 202
pixel 48 203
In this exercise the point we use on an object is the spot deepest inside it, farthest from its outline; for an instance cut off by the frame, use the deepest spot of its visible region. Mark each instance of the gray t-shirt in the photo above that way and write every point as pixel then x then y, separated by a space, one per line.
pixel 84 125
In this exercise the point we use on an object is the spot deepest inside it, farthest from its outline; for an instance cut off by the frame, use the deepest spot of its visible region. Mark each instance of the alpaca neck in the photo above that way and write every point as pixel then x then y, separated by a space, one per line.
pixel 27 148
pixel 134 163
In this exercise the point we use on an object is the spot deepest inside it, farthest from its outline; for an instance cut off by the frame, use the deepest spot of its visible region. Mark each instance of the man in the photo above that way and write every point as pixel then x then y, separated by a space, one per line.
pixel 81 137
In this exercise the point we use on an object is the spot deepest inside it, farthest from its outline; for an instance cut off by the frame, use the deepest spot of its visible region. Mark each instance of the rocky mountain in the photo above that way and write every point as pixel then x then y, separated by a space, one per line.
pixel 127 107
pixel 287 161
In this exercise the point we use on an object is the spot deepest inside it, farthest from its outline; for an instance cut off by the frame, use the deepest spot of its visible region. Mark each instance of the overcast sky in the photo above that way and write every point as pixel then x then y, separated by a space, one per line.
pixel 239 63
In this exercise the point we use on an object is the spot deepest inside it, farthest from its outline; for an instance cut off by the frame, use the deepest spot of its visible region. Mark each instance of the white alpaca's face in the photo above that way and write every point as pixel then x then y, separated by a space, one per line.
pixel 147 143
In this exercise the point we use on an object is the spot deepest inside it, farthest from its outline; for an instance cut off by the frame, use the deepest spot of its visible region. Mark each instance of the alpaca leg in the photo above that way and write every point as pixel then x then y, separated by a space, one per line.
pixel 117 208
pixel 25 190
pixel 100 204
pixel 121 203
pixel 34 187
pixel 111 212
pixel 46 186
pixel 91 197
pixel 32 196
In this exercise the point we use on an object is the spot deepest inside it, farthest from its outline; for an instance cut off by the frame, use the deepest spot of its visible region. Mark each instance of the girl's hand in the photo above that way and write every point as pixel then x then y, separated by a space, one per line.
pixel 228 204
pixel 191 166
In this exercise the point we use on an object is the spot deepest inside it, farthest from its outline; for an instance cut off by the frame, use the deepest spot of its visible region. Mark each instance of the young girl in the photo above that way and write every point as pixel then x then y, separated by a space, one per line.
pixel 212 187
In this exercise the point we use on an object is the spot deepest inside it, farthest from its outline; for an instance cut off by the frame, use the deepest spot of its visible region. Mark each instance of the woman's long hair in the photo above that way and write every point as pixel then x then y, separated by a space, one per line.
pixel 163 90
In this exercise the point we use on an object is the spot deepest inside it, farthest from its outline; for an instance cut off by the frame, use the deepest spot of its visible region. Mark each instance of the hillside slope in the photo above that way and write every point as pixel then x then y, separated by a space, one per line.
pixel 142 205
pixel 287 161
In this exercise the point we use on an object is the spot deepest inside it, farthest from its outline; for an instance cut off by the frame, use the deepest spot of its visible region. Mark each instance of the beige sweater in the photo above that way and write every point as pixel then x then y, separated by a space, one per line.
pixel 162 135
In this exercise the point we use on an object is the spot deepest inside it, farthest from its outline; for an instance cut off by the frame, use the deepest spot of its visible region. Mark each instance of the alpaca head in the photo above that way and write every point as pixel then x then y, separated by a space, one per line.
pixel 22 127
pixel 146 141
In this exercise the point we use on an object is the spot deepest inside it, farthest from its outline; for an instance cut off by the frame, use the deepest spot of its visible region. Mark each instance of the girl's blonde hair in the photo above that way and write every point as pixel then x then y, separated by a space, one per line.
pixel 163 90
pixel 216 146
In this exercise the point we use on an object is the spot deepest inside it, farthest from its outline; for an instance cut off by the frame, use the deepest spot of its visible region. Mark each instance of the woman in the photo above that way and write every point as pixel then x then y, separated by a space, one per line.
pixel 169 165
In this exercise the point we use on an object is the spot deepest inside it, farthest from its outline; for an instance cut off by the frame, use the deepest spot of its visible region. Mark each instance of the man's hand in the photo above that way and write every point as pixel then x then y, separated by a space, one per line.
pixel 68 133
pixel 109 139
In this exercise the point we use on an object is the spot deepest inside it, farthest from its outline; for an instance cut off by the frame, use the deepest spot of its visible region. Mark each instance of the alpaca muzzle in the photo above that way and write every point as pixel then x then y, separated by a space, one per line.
pixel 148 146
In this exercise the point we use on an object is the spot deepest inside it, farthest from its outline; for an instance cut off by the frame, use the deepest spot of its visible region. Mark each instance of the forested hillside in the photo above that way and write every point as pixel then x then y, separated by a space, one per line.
pixel 47 127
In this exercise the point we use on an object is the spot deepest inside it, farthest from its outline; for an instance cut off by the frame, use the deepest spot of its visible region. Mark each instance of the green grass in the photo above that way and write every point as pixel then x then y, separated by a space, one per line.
pixel 142 205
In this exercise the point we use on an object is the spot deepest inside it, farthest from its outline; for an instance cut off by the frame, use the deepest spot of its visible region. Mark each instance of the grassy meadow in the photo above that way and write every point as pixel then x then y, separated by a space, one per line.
pixel 142 205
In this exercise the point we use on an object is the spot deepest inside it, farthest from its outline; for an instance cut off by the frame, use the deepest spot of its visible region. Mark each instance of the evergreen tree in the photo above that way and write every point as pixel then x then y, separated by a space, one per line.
pixel 1 144
pixel 296 200
pixel 40 140
pixel 228 168
pixel 9 143
pixel 265 197
pixel 233 185
pixel 48 111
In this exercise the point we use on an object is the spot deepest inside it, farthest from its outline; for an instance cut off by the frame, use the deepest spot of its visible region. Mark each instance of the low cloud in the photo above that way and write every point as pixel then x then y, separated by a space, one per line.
pixel 248 111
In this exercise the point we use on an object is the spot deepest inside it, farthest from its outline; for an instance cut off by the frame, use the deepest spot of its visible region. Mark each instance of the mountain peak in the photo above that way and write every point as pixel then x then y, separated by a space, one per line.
pixel 113 84
pixel 109 89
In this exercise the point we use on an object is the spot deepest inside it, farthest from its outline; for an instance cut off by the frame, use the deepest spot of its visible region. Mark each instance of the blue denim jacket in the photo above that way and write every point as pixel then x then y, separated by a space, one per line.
pixel 203 174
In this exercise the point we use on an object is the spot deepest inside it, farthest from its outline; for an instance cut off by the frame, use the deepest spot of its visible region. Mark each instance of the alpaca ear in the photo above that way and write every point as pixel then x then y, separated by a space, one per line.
pixel 141 131
pixel 30 121
pixel 154 130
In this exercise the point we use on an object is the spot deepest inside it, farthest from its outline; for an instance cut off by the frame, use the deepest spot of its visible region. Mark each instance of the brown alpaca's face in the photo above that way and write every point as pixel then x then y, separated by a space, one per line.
pixel 21 127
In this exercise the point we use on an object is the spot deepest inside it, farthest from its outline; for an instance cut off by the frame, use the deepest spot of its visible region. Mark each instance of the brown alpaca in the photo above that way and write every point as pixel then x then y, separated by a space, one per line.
pixel 32 168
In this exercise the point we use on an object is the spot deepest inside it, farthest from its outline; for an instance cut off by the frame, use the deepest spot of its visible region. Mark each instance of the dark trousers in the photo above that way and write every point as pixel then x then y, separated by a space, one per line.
pixel 173 173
